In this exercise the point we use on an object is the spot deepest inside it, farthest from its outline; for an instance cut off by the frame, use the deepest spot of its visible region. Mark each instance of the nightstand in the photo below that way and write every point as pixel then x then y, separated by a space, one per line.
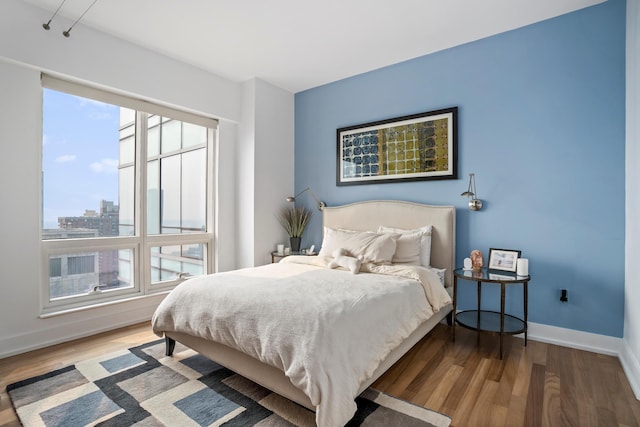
pixel 276 256
pixel 485 320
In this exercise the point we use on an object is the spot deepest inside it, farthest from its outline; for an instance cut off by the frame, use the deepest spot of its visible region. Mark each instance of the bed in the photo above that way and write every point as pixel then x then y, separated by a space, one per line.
pixel 324 393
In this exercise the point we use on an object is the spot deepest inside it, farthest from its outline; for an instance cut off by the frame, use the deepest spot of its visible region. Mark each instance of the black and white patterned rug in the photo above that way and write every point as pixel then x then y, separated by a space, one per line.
pixel 142 387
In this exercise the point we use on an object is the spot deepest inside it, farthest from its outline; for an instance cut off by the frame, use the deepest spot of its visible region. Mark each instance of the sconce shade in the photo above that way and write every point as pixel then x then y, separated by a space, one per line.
pixel 475 204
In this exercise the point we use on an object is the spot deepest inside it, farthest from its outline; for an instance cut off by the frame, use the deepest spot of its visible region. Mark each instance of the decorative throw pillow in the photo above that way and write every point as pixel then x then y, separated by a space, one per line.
pixel 367 246
pixel 408 242
pixel 440 272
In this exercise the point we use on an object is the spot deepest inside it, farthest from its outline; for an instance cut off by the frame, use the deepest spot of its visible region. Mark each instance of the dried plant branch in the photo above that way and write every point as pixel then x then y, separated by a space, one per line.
pixel 294 219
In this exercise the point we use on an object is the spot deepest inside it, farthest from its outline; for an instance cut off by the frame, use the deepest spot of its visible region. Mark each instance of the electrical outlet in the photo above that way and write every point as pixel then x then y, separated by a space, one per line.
pixel 564 297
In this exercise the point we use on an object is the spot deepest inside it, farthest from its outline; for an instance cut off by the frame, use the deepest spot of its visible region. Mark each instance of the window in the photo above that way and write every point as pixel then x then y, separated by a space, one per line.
pixel 126 196
pixel 81 264
pixel 55 267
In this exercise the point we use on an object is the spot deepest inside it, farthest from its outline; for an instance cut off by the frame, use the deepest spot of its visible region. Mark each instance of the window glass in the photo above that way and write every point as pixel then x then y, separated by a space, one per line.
pixel 55 267
pixel 126 200
pixel 193 135
pixel 81 264
pixel 194 204
pixel 127 150
pixel 167 262
pixel 153 140
pixel 127 118
pixel 81 152
pixel 81 273
pixel 170 194
pixel 171 137
pixel 153 197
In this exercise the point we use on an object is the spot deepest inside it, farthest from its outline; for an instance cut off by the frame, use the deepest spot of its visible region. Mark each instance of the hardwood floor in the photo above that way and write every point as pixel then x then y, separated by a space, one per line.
pixel 537 385
pixel 540 385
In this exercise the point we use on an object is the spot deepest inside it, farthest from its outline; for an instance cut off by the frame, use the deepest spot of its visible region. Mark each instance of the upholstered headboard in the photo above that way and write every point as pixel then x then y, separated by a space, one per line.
pixel 369 215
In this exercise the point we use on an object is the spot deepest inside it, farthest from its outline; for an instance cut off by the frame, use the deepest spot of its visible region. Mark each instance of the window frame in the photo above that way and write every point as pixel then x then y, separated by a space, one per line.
pixel 140 243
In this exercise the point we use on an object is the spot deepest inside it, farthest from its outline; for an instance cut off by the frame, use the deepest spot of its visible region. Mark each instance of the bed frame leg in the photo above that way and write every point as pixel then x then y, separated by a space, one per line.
pixel 170 345
pixel 450 319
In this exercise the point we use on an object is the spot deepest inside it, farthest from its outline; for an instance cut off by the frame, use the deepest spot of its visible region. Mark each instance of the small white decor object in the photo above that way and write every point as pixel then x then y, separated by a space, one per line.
pixel 467 264
pixel 341 258
pixel 280 248
pixel 522 268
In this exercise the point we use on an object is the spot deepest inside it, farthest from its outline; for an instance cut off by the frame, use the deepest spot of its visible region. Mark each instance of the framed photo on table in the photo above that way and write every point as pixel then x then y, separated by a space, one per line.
pixel 409 148
pixel 503 259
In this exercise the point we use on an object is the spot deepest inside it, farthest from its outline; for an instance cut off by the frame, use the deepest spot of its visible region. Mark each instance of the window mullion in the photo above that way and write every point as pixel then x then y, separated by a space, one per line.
pixel 212 155
pixel 143 255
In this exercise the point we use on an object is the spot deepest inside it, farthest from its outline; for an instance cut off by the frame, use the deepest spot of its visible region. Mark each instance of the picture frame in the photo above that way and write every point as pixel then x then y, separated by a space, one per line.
pixel 503 259
pixel 416 147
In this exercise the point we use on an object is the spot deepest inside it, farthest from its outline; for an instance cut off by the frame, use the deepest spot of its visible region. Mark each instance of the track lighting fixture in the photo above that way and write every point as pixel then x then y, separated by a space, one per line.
pixel 67 32
pixel 46 25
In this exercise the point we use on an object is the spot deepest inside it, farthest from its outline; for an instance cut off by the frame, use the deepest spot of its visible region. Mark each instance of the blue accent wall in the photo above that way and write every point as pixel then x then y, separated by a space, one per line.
pixel 541 123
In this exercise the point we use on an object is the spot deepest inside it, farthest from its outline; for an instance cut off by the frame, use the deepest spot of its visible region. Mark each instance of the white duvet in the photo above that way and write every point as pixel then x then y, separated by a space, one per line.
pixel 328 330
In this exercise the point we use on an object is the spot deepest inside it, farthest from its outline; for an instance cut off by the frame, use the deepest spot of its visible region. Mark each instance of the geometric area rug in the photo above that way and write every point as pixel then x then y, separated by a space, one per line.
pixel 142 387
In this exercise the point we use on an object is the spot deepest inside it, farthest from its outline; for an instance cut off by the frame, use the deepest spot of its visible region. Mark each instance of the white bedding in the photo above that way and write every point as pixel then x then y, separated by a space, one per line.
pixel 328 330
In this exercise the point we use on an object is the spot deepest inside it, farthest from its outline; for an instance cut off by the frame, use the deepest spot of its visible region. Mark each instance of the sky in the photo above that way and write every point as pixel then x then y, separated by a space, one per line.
pixel 80 146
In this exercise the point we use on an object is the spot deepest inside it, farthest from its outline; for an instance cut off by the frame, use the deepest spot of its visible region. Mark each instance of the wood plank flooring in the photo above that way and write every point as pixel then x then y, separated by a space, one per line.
pixel 537 385
pixel 540 385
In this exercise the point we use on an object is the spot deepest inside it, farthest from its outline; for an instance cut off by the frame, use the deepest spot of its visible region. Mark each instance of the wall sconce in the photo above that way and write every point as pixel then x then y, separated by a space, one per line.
pixel 321 204
pixel 475 204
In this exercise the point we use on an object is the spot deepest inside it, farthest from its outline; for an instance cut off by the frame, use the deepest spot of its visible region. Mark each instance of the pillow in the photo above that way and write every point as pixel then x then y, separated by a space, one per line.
pixel 365 245
pixel 407 242
pixel 440 272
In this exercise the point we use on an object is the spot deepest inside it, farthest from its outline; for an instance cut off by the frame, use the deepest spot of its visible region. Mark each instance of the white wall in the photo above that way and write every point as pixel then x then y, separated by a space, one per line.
pixel 275 168
pixel 245 166
pixel 631 355
pixel 226 188
pixel 265 166
pixel 107 62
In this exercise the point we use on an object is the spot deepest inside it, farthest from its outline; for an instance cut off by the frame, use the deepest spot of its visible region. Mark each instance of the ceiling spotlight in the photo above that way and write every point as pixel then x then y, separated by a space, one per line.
pixel 68 32
pixel 46 26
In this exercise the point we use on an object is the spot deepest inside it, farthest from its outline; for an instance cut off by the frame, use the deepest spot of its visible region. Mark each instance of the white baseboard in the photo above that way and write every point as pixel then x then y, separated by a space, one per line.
pixel 580 340
pixel 631 368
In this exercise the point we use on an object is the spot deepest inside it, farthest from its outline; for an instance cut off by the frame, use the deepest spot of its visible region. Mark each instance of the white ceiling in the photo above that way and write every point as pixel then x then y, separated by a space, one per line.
pixel 300 44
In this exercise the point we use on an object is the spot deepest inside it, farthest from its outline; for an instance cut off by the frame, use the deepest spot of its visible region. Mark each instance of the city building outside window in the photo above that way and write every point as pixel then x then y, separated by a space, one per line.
pixel 127 196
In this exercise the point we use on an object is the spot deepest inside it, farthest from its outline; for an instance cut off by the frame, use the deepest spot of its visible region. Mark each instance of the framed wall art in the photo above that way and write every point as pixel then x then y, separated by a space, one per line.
pixel 409 148
pixel 503 259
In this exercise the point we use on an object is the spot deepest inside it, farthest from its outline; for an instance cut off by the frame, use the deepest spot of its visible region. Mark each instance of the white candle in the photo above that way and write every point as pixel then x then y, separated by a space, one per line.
pixel 522 267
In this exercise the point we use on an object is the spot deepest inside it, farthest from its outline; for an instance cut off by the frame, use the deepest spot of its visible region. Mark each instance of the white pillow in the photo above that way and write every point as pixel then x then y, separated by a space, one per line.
pixel 365 245
pixel 406 245
pixel 440 272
